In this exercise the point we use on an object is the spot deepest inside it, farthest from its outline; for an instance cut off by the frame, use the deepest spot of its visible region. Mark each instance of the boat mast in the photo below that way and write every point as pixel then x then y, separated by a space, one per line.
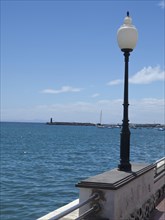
pixel 101 117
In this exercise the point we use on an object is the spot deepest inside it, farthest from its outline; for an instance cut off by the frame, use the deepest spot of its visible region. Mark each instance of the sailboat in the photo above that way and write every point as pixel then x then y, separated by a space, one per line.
pixel 100 125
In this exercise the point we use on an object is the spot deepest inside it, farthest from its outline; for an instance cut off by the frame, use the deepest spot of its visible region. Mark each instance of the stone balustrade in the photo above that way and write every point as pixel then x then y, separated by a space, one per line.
pixel 123 195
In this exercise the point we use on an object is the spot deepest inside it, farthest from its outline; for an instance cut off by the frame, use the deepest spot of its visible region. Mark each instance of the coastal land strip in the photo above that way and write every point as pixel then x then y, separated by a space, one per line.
pixel 107 125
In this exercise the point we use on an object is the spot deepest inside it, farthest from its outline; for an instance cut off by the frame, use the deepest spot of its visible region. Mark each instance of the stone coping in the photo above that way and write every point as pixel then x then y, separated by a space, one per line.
pixel 115 179
pixel 73 215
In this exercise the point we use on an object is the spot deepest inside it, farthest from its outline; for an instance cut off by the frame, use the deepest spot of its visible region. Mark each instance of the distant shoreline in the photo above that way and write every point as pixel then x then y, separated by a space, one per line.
pixel 108 125
pixel 117 125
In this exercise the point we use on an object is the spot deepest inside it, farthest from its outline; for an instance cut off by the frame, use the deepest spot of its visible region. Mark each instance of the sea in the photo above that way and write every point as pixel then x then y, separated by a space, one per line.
pixel 40 164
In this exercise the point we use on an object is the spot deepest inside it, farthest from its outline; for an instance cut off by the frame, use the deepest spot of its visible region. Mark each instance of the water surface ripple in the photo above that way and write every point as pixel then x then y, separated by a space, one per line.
pixel 41 164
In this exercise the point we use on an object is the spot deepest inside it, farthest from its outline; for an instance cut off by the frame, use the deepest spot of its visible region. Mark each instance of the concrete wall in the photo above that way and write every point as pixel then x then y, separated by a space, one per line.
pixel 118 204
pixel 132 197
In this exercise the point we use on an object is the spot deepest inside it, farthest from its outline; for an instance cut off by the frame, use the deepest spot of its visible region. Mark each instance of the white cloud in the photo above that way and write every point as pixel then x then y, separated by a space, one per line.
pixel 115 82
pixel 95 95
pixel 162 4
pixel 64 89
pixel 147 110
pixel 151 104
pixel 148 75
pixel 145 76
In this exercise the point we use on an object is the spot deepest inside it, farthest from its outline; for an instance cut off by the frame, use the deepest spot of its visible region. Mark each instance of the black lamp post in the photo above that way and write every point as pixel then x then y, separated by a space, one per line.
pixel 127 36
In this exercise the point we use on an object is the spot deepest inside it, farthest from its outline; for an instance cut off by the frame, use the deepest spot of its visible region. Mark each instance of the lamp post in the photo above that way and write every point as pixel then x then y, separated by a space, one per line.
pixel 127 36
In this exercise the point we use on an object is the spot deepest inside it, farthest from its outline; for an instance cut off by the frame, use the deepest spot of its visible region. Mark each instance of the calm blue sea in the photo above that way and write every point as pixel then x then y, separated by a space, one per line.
pixel 40 164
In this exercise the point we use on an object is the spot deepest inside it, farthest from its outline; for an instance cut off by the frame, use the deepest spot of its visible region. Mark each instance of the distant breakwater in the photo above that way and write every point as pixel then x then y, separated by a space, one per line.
pixel 106 125
pixel 71 123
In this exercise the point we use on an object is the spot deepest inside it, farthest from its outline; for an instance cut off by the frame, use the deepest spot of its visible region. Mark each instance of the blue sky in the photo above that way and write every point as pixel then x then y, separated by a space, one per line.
pixel 61 59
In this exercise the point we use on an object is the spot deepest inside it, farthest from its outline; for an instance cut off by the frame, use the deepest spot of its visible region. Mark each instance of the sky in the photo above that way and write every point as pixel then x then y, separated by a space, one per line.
pixel 61 59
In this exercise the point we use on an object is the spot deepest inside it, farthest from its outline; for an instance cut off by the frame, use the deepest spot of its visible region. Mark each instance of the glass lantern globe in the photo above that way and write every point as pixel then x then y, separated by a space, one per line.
pixel 127 34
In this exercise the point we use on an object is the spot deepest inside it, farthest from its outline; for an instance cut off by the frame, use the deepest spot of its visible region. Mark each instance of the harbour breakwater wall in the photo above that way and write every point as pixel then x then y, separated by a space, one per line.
pixel 71 123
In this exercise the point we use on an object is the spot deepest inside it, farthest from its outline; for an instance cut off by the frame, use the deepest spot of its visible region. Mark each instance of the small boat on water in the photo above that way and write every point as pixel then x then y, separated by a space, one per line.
pixel 161 129
pixel 100 125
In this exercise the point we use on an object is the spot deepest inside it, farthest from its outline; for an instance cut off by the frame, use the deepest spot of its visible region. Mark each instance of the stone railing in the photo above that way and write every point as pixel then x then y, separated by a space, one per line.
pixel 127 195
pixel 122 195
pixel 158 193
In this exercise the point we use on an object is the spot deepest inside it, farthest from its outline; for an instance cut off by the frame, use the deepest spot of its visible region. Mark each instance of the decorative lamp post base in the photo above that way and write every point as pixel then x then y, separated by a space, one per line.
pixel 124 167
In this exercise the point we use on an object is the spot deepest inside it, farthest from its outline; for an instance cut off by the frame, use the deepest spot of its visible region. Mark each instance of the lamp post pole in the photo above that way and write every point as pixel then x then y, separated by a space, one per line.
pixel 125 131
pixel 127 38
